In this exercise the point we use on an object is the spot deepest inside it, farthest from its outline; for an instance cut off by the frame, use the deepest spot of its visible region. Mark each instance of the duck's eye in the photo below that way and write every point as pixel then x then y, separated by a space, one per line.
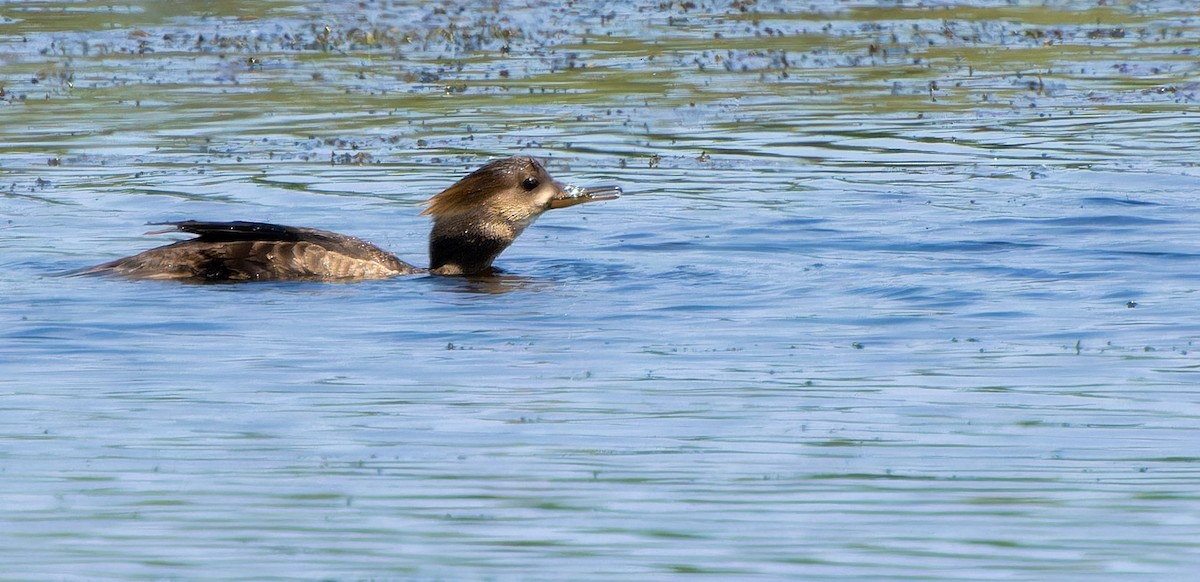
pixel 529 184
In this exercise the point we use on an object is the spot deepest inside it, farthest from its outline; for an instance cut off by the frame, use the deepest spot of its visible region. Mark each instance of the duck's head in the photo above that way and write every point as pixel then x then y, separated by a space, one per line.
pixel 480 215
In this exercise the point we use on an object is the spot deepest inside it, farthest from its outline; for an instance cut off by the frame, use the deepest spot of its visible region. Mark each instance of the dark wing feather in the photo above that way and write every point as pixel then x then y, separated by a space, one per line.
pixel 242 230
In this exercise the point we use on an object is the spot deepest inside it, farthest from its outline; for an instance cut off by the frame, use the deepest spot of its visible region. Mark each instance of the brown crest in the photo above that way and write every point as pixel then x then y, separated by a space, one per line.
pixel 473 190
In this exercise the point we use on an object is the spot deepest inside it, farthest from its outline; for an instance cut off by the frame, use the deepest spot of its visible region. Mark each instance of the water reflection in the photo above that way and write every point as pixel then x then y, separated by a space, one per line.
pixel 492 284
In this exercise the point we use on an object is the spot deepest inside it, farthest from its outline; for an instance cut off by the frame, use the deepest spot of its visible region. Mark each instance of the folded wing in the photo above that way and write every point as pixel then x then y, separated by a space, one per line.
pixel 256 251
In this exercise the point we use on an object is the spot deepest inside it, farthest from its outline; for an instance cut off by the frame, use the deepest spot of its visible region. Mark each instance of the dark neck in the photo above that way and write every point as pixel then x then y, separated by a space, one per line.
pixel 463 253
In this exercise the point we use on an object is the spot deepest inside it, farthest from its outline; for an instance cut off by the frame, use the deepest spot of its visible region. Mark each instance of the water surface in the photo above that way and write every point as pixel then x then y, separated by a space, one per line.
pixel 896 292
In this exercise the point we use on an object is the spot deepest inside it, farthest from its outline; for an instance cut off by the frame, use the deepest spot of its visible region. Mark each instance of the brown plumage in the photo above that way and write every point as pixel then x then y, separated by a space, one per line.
pixel 473 222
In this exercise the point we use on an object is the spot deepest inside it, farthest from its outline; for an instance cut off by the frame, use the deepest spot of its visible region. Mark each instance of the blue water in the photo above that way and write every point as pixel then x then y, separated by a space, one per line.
pixel 813 341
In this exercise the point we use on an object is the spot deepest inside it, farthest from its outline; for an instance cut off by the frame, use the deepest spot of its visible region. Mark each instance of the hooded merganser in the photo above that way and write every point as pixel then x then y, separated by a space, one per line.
pixel 473 222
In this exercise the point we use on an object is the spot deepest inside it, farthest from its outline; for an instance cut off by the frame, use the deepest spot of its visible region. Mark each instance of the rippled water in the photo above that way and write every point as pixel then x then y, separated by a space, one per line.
pixel 896 292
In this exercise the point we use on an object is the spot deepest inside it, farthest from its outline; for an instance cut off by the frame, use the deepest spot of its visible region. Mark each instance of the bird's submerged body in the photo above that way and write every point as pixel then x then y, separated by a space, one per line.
pixel 255 251
pixel 474 221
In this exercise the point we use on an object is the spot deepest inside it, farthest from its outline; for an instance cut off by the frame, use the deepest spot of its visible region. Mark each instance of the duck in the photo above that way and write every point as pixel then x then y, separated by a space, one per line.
pixel 474 221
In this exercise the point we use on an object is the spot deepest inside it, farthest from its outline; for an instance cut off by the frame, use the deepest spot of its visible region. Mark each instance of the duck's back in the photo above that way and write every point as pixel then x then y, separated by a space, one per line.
pixel 256 251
